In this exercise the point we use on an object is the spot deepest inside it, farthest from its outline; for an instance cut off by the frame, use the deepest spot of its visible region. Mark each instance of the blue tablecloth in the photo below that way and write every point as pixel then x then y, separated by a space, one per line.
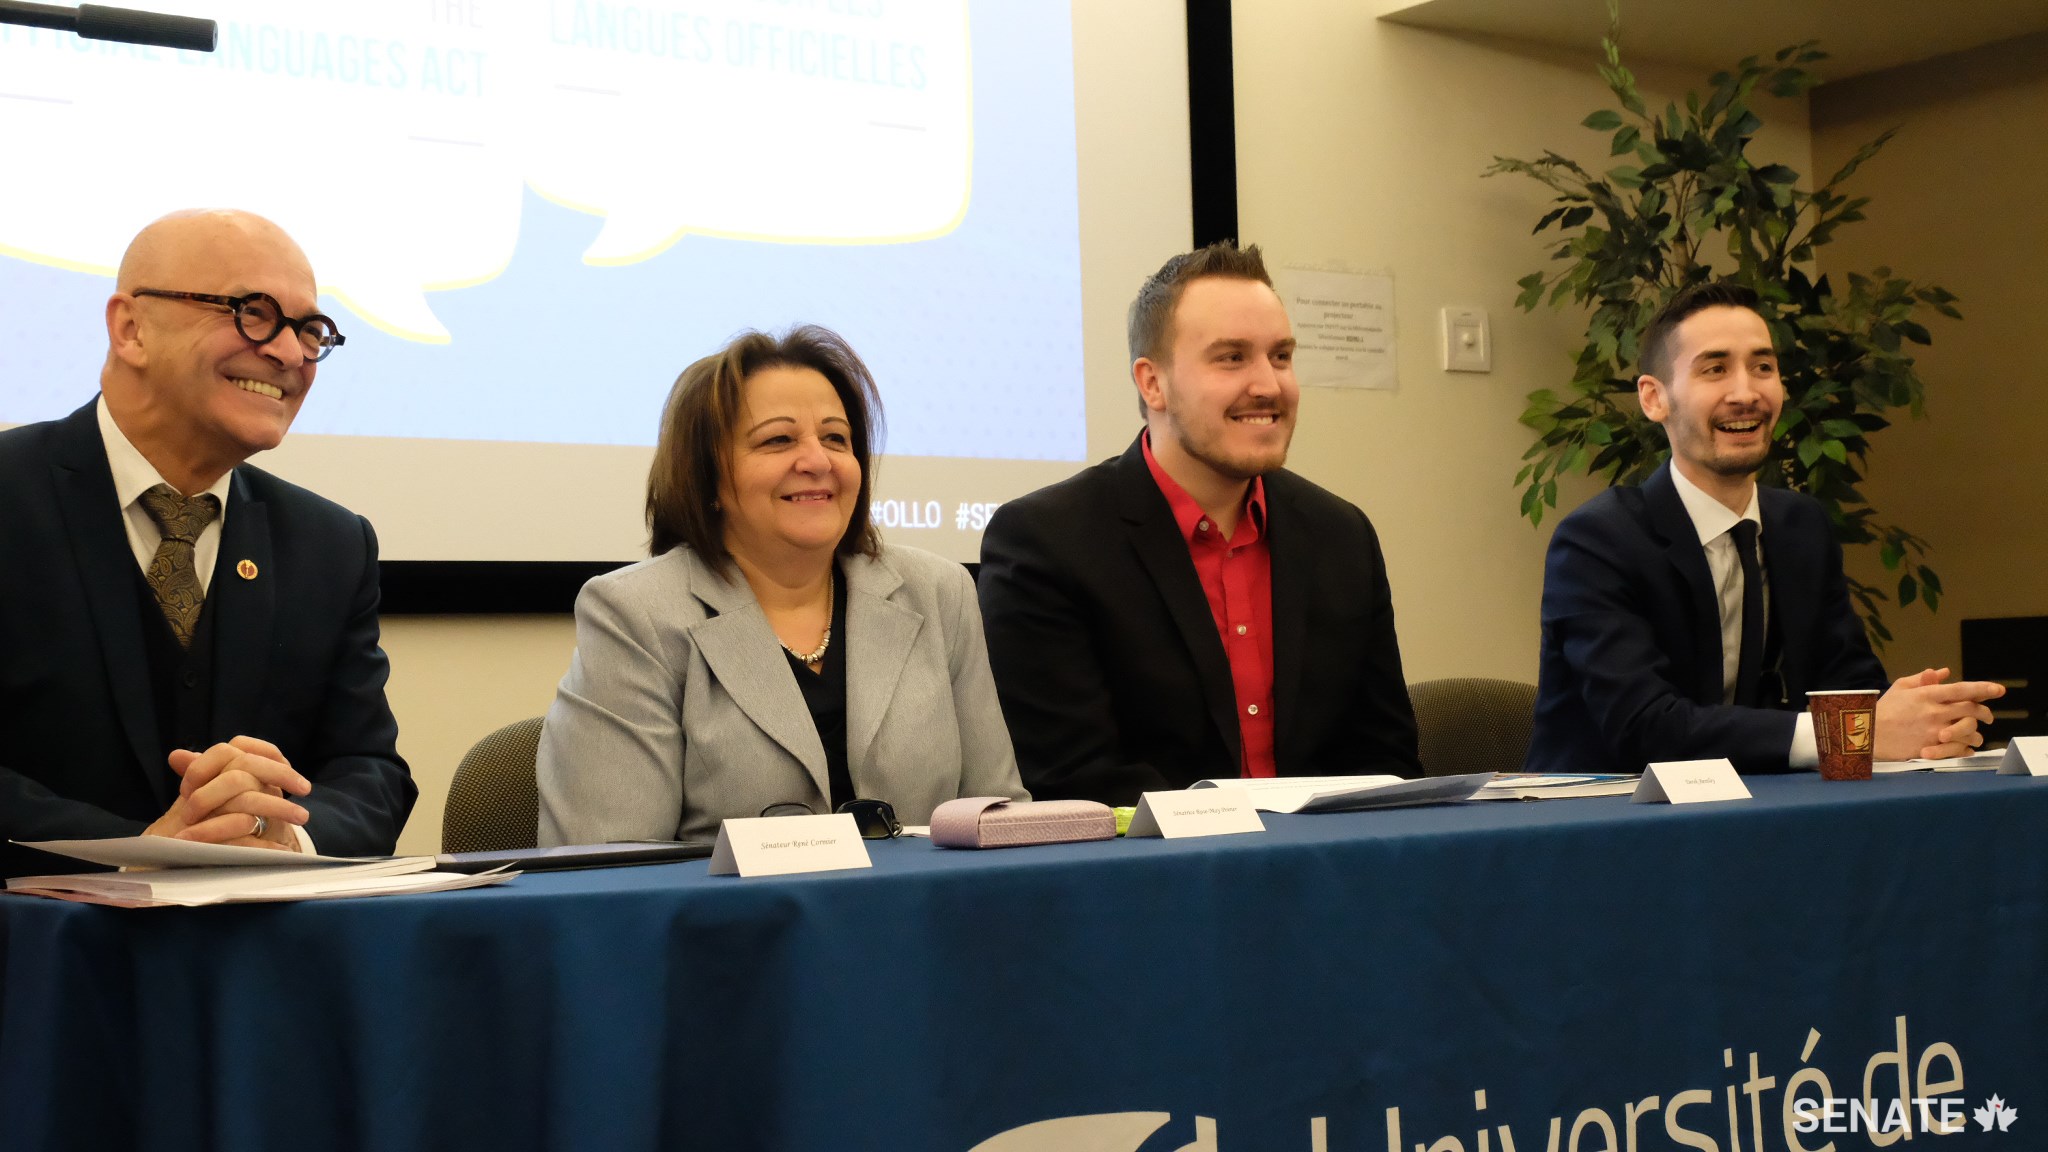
pixel 1372 982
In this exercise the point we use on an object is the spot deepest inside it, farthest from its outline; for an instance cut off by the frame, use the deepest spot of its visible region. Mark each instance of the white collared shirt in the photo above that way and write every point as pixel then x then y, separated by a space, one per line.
pixel 1714 522
pixel 134 475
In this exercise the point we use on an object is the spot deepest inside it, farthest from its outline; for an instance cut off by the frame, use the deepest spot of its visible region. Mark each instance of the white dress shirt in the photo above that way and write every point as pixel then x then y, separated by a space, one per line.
pixel 1714 521
pixel 134 475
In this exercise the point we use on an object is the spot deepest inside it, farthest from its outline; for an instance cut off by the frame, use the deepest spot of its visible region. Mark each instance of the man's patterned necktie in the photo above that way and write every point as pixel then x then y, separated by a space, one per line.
pixel 173 575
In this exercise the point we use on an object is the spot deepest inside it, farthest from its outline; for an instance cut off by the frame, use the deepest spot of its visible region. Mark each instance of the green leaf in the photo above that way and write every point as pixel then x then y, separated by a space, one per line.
pixel 1790 82
pixel 1809 451
pixel 1599 433
pixel 1835 450
pixel 1840 428
pixel 1890 555
pixel 1862 154
pixel 1529 498
pixel 1908 590
pixel 1626 140
pixel 1605 120
pixel 1576 217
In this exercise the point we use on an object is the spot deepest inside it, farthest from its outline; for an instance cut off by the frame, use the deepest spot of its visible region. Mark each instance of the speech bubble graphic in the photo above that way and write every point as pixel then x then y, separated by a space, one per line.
pixel 392 138
pixel 365 129
pixel 847 123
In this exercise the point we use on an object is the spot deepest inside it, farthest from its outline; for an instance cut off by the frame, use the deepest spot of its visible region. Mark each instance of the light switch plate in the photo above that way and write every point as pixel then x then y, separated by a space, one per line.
pixel 1468 340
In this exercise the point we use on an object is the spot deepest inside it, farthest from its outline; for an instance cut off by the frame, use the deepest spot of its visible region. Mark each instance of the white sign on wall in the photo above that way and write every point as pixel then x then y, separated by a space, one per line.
pixel 1343 326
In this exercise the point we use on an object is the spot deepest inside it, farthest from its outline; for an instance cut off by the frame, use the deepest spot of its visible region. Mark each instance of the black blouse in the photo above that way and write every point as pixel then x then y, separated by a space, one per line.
pixel 825 696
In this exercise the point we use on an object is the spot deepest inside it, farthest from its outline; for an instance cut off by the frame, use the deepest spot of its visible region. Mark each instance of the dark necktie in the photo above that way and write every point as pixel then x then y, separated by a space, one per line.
pixel 172 574
pixel 1751 661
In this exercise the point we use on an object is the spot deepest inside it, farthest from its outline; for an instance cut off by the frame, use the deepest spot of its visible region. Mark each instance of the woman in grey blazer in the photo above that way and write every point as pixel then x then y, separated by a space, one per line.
pixel 772 653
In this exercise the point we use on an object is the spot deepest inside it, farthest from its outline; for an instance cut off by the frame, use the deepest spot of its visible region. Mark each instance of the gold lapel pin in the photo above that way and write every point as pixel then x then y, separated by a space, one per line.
pixel 246 569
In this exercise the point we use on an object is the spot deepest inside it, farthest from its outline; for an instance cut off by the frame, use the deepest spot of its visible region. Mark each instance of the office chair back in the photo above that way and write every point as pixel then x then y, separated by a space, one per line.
pixel 1473 725
pixel 492 803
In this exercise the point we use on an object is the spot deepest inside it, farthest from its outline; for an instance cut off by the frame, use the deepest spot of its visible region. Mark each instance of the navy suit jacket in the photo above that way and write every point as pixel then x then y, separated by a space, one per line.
pixel 295 657
pixel 1631 662
pixel 1112 677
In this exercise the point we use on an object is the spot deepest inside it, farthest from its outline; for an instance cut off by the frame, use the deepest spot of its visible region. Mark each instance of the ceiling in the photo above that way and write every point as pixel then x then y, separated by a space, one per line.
pixel 1859 36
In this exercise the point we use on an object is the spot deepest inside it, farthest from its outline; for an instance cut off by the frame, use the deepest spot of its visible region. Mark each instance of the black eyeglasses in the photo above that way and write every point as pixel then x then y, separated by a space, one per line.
pixel 259 318
pixel 875 818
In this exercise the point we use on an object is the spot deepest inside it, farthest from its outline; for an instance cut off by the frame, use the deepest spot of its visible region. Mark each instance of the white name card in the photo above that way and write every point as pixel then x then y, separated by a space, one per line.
pixel 2025 756
pixel 1195 812
pixel 1690 782
pixel 785 845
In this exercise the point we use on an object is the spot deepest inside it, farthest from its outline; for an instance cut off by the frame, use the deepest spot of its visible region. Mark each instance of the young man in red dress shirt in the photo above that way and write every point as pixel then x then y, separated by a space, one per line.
pixel 1190 609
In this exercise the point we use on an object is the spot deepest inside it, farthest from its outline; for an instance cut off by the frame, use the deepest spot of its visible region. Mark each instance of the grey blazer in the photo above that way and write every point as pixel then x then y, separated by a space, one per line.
pixel 678 709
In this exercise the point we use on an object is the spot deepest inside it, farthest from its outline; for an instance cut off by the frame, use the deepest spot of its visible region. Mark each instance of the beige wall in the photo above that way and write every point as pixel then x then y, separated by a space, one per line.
pixel 1359 145
pixel 1956 201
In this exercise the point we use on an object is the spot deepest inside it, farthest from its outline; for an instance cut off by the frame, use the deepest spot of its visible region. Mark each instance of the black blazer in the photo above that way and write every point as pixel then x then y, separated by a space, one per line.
pixel 1112 677
pixel 296 660
pixel 1631 661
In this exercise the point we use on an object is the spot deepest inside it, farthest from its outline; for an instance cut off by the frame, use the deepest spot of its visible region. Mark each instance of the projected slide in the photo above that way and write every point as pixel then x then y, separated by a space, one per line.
pixel 527 217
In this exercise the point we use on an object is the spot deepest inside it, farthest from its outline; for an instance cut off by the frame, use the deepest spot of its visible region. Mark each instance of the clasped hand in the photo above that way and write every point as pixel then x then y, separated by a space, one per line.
pixel 223 790
pixel 1922 716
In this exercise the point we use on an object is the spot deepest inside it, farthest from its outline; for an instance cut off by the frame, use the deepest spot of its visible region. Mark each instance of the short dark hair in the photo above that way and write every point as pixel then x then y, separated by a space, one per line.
pixel 1151 319
pixel 1653 356
pixel 694 453
pixel 1150 324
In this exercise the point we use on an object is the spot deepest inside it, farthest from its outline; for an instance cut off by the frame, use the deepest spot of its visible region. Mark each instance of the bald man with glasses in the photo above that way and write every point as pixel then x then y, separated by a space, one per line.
pixel 188 644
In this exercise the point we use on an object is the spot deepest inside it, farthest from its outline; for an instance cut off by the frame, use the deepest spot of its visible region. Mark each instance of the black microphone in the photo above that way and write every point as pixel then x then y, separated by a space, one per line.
pixel 124 25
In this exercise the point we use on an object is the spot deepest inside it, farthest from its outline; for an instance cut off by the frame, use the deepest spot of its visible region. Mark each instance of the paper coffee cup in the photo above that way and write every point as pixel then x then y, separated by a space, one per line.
pixel 1845 729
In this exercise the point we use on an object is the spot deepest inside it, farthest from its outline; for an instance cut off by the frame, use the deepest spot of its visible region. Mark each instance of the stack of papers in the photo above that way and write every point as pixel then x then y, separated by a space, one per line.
pixel 166 872
pixel 1550 786
pixel 1974 762
pixel 1288 794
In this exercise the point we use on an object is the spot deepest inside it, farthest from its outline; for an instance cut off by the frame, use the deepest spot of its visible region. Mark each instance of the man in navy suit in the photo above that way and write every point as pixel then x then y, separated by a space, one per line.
pixel 188 645
pixel 1688 618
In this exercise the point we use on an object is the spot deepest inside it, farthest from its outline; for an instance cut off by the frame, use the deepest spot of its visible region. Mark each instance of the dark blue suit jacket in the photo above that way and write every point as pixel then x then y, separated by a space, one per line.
pixel 1631 662
pixel 1112 677
pixel 296 660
